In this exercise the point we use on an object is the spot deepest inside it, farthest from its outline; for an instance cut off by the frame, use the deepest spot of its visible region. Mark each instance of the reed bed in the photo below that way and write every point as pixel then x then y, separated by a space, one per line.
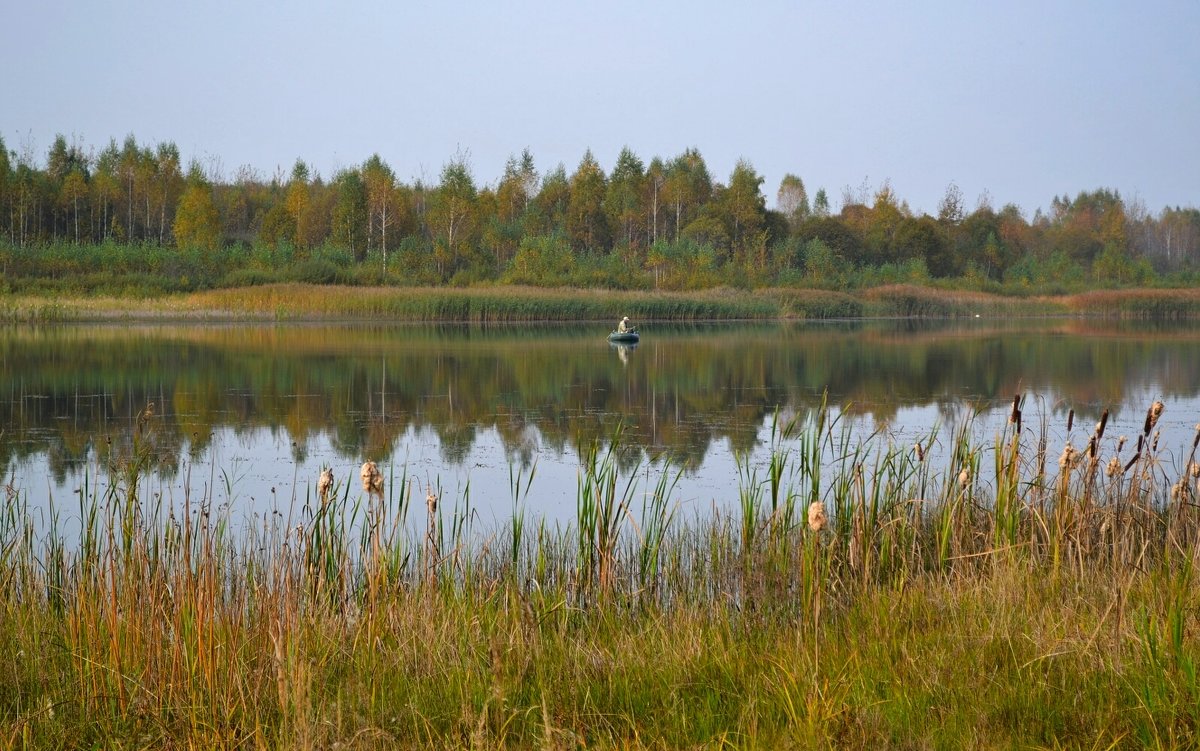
pixel 486 304
pixel 1154 304
pixel 295 301
pixel 852 595
pixel 916 301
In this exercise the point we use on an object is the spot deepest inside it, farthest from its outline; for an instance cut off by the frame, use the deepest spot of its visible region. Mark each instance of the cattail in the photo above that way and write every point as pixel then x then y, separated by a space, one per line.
pixel 1114 467
pixel 145 415
pixel 325 484
pixel 1070 420
pixel 432 545
pixel 1136 455
pixel 1196 439
pixel 1067 459
pixel 1015 416
pixel 372 479
pixel 1120 444
pixel 1154 443
pixel 1100 426
pixel 816 516
pixel 920 452
pixel 1152 416
pixel 964 478
pixel 1194 469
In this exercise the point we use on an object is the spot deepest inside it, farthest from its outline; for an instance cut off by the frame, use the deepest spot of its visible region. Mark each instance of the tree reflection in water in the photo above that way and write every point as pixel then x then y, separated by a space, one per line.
pixel 71 393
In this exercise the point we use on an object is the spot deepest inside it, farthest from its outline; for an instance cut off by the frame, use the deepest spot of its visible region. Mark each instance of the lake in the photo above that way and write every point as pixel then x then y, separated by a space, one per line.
pixel 248 415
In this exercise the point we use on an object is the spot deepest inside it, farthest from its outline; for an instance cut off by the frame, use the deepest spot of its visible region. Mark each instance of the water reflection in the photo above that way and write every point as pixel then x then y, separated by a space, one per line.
pixel 71 394
pixel 623 350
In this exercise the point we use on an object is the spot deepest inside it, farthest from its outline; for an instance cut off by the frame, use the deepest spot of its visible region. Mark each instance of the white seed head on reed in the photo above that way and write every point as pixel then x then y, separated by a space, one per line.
pixel 1120 444
pixel 1067 460
pixel 372 478
pixel 920 452
pixel 1194 469
pixel 325 484
pixel 431 500
pixel 816 516
pixel 964 478
pixel 1114 467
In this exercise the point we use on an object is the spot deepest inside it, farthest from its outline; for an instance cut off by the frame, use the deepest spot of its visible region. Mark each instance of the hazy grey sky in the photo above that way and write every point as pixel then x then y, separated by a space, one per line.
pixel 1025 100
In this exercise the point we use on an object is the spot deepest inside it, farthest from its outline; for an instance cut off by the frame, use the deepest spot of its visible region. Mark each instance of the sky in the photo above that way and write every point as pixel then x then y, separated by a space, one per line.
pixel 1018 101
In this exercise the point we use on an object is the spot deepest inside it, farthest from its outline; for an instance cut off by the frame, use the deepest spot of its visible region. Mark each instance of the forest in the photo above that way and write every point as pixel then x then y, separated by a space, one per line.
pixel 133 219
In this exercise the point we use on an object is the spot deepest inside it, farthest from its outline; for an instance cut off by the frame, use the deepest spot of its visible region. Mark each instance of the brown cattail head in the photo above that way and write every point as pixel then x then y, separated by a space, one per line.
pixel 325 484
pixel 431 500
pixel 920 452
pixel 1070 420
pixel 1154 443
pixel 1100 426
pixel 816 516
pixel 1120 444
pixel 1014 417
pixel 1196 439
pixel 1136 455
pixel 1152 416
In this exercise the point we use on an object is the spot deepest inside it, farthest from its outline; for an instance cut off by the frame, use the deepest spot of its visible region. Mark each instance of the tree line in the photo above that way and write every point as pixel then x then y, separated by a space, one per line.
pixel 668 223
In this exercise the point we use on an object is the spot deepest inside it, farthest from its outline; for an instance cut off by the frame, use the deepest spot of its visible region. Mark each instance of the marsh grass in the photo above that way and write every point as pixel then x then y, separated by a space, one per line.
pixel 972 604
pixel 499 303
pixel 297 301
pixel 1152 304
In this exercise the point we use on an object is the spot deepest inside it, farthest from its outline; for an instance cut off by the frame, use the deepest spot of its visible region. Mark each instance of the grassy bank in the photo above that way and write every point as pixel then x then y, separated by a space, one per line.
pixel 854 596
pixel 496 304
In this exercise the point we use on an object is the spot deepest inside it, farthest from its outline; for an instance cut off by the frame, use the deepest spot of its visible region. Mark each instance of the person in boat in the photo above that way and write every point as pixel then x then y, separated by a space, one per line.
pixel 623 325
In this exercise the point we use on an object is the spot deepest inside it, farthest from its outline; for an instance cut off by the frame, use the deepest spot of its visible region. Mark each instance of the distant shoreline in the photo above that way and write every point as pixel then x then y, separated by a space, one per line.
pixel 310 302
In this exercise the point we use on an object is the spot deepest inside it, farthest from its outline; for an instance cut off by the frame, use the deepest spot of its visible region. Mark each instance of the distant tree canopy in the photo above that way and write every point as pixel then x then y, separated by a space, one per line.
pixel 667 222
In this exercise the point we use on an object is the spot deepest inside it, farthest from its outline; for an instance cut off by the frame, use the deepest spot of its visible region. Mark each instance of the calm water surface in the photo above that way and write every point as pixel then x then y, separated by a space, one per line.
pixel 248 414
